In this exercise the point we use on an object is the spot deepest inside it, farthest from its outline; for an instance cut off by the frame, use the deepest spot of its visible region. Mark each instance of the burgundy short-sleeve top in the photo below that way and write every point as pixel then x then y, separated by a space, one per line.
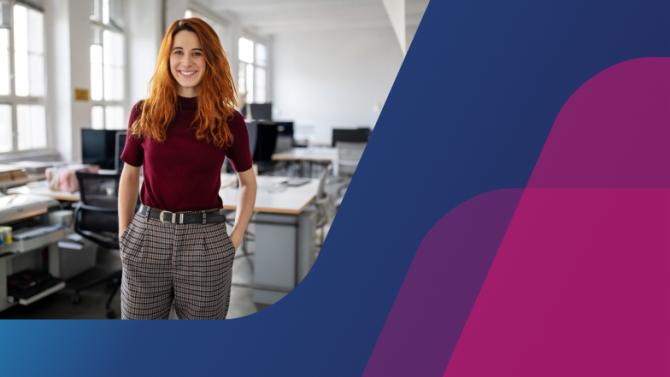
pixel 183 173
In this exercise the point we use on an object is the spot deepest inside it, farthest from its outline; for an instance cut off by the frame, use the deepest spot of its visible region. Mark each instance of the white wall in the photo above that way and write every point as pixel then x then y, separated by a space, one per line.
pixel 68 67
pixel 332 79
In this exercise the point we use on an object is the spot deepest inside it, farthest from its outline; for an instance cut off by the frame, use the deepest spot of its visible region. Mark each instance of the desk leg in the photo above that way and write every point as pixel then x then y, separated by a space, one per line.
pixel 3 283
pixel 54 261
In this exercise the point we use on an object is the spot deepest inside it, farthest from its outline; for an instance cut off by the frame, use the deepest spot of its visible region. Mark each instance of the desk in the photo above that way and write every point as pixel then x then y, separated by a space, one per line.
pixel 42 188
pixel 285 228
pixel 311 155
pixel 23 253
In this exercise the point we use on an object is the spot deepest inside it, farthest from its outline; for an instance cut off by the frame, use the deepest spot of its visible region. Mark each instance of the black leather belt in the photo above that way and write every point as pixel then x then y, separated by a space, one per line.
pixel 203 217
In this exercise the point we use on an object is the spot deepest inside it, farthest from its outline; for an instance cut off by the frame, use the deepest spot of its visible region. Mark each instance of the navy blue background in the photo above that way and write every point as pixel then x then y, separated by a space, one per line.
pixel 469 113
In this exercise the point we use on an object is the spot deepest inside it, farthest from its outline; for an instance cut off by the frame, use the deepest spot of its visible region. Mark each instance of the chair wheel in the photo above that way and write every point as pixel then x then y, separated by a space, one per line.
pixel 111 314
pixel 76 299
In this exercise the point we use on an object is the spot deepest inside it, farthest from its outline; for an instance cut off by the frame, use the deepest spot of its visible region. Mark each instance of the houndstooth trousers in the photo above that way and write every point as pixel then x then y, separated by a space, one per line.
pixel 188 265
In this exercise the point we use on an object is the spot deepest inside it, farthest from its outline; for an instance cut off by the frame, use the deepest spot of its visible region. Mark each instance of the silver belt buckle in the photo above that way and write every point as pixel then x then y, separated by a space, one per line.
pixel 160 217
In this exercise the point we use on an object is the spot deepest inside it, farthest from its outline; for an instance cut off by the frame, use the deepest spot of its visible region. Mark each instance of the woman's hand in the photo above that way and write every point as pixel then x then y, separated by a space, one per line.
pixel 128 190
pixel 245 205
pixel 236 239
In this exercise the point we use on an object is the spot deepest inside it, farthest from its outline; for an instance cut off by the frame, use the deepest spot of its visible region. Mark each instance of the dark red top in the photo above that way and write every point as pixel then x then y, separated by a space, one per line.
pixel 182 173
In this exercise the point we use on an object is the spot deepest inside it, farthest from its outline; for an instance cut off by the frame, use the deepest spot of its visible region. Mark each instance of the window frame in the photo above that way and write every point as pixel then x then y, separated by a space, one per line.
pixel 14 100
pixel 255 67
pixel 110 27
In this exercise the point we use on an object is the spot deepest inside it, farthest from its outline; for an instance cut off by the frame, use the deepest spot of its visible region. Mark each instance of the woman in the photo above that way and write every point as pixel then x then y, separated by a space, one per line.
pixel 176 250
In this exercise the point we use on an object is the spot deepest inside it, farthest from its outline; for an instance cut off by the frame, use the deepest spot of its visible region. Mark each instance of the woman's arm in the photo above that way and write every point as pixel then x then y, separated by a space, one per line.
pixel 128 189
pixel 245 205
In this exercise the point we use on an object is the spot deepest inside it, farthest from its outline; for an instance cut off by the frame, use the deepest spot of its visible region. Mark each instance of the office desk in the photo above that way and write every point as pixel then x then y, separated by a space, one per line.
pixel 310 155
pixel 285 228
pixel 24 253
pixel 42 188
pixel 12 176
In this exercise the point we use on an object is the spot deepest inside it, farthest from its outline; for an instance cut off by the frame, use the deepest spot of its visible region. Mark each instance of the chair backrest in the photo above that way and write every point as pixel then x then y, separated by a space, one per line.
pixel 252 130
pixel 118 149
pixel 96 217
pixel 348 156
pixel 321 190
pixel 284 136
pixel 266 141
pixel 99 190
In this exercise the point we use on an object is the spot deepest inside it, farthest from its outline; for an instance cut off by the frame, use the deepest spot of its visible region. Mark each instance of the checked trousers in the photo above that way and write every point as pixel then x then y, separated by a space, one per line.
pixel 185 265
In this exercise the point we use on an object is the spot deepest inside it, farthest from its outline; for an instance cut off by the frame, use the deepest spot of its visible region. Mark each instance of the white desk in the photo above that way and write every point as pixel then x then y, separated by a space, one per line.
pixel 285 227
pixel 42 188
pixel 316 154
pixel 274 194
pixel 311 155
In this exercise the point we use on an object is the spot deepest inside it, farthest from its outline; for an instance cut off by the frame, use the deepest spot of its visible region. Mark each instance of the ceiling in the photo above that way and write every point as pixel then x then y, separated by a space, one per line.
pixel 265 17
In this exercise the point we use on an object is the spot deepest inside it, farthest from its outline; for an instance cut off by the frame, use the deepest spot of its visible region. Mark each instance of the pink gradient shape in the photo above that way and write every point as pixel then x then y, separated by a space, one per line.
pixel 580 285
pixel 579 288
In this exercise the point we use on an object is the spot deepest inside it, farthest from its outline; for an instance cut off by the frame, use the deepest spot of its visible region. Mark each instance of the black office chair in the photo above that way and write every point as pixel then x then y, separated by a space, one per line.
pixel 266 143
pixel 96 219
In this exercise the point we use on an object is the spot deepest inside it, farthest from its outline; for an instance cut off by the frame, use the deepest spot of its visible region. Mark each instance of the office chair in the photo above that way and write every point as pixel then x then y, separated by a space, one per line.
pixel 284 136
pixel 266 143
pixel 348 156
pixel 96 219
pixel 325 206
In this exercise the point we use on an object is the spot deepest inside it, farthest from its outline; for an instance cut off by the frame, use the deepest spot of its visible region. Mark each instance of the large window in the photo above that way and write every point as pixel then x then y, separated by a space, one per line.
pixel 252 70
pixel 22 78
pixel 107 65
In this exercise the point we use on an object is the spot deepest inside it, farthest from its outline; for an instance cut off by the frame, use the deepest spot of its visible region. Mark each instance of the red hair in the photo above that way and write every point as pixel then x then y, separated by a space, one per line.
pixel 217 97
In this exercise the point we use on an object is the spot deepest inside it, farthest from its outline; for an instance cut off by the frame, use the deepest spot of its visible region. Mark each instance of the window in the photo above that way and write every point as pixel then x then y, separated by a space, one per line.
pixel 22 78
pixel 252 70
pixel 107 55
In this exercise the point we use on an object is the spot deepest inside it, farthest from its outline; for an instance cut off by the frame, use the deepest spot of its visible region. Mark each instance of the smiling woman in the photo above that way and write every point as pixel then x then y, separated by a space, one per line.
pixel 187 63
pixel 176 250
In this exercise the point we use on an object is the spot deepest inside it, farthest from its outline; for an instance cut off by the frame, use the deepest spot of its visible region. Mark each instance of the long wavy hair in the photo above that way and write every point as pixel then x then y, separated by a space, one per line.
pixel 217 96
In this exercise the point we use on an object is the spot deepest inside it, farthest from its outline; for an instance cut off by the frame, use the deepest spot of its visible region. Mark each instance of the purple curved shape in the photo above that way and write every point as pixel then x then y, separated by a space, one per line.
pixel 580 280
pixel 612 132
pixel 443 282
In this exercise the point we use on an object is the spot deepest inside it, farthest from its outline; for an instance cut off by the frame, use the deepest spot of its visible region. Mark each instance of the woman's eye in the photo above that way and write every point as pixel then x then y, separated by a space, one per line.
pixel 178 52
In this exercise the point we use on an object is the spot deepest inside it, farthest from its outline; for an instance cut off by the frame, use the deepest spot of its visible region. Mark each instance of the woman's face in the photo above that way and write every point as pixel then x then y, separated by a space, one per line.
pixel 187 62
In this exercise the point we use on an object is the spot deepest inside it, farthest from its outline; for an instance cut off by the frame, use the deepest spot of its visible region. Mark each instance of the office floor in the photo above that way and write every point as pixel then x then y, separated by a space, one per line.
pixel 92 305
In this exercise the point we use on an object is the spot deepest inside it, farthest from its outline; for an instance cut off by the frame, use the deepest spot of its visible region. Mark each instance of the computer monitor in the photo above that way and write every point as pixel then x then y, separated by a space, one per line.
pixel 350 135
pixel 119 144
pixel 98 147
pixel 261 111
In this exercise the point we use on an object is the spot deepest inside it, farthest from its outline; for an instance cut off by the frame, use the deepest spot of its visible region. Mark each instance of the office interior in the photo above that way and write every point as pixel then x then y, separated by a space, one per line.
pixel 312 77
